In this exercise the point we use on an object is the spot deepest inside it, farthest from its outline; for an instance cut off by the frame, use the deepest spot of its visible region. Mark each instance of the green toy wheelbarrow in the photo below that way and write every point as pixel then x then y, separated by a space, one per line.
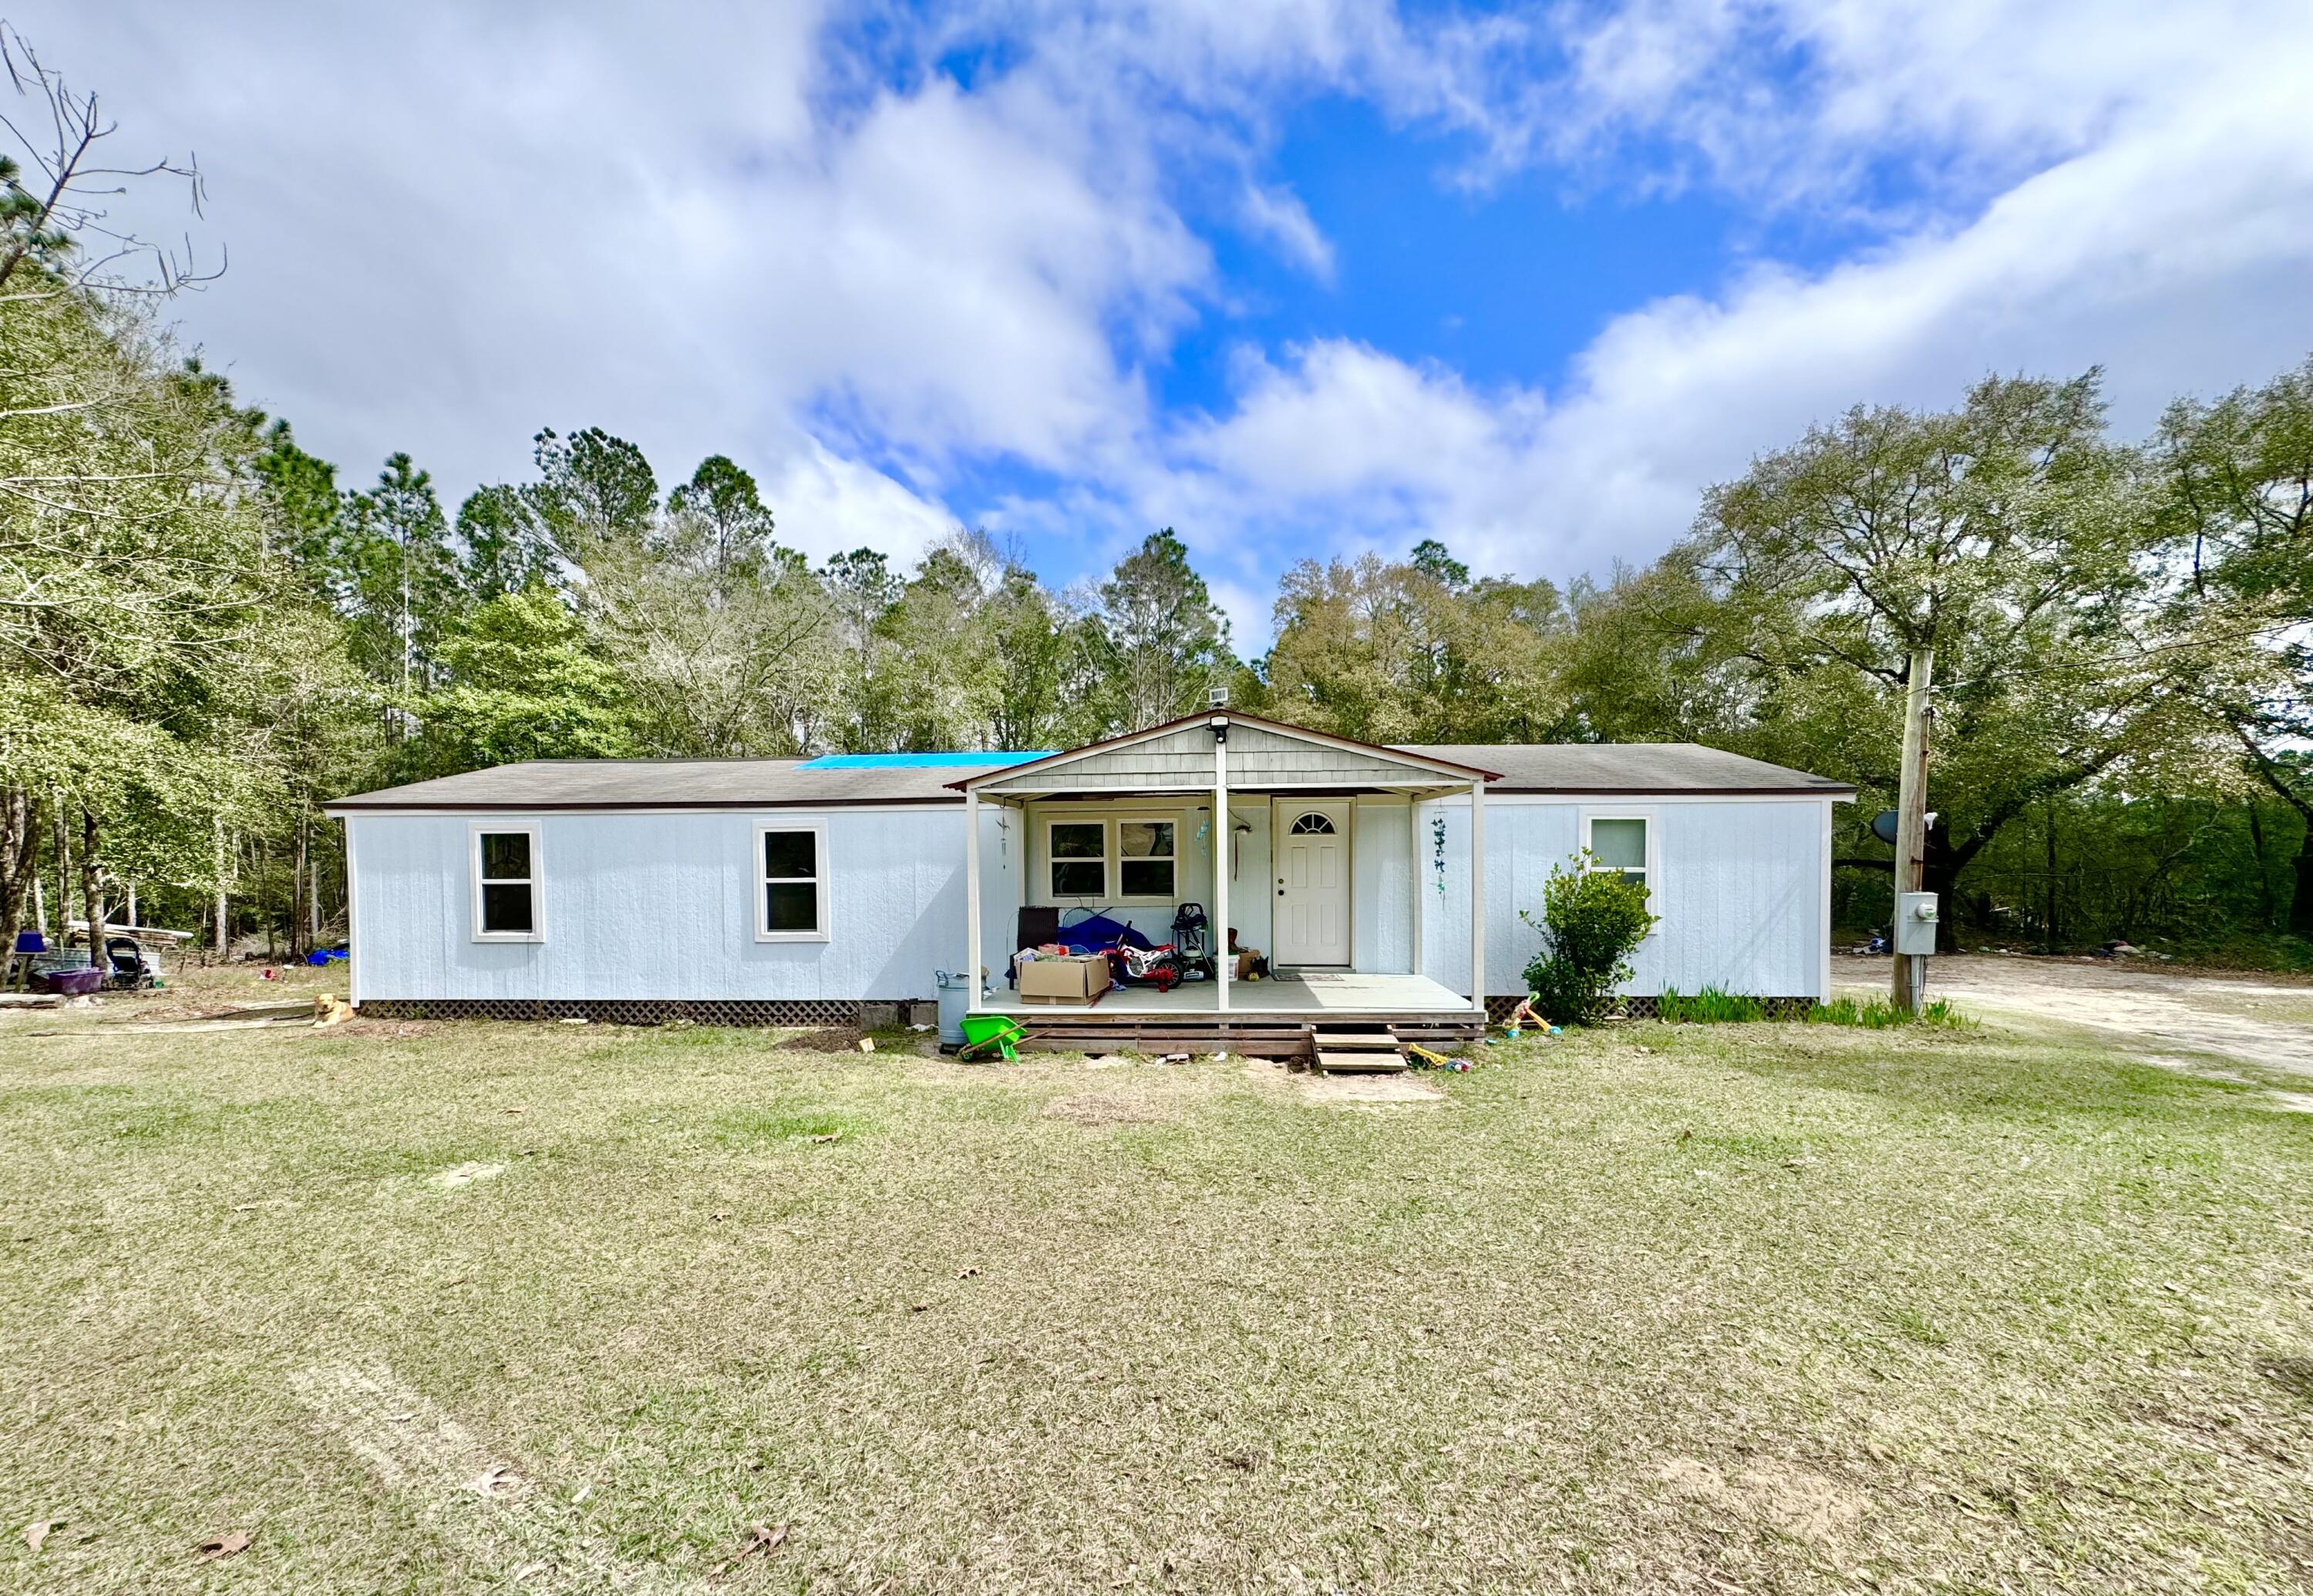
pixel 987 1036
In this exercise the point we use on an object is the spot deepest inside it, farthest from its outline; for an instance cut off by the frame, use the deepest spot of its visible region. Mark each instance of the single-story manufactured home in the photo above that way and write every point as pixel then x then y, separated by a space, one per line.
pixel 1375 879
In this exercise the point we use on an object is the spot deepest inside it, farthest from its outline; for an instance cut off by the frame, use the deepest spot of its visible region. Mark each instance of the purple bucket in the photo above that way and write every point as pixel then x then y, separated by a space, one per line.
pixel 74 983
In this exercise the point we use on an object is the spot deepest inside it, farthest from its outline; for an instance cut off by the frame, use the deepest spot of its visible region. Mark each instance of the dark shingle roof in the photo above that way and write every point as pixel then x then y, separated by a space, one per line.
pixel 1572 768
pixel 665 783
pixel 1630 768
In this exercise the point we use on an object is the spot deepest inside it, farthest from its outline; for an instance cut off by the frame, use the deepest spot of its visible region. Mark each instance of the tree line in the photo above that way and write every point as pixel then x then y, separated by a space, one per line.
pixel 205 635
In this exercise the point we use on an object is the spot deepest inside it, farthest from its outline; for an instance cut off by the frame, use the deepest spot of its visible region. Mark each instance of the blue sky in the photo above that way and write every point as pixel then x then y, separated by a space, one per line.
pixel 1300 278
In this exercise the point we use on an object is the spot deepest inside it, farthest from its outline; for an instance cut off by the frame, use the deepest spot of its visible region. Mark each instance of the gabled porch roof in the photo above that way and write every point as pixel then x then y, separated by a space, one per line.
pixel 1262 755
pixel 1216 753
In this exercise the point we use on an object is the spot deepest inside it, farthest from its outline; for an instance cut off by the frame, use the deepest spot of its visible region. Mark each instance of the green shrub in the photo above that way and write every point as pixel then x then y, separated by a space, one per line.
pixel 1879 1013
pixel 1592 922
pixel 1710 1006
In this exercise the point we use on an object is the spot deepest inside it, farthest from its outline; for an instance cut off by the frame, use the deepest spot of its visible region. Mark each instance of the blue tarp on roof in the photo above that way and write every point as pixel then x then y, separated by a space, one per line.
pixel 915 761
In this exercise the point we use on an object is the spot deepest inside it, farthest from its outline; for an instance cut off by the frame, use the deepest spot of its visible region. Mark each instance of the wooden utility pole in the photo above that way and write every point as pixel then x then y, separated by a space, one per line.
pixel 1911 818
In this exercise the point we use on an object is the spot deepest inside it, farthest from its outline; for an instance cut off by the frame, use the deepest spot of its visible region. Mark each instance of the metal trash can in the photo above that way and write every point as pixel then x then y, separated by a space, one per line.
pixel 954 1003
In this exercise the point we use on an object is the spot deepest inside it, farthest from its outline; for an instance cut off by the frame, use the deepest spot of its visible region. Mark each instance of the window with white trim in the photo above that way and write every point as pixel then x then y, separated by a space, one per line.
pixel 1077 854
pixel 1622 844
pixel 791 884
pixel 1145 859
pixel 506 884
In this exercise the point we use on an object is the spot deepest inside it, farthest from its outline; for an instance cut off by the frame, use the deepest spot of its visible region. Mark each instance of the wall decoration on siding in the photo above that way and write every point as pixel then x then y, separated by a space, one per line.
pixel 1438 848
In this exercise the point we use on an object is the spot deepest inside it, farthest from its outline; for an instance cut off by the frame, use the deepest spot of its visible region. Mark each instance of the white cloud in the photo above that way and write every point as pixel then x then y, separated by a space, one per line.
pixel 2173 247
pixel 1279 216
pixel 826 505
pixel 451 228
pixel 872 282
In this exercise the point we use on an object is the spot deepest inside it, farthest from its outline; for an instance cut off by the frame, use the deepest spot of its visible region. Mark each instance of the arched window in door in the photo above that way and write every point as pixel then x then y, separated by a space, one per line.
pixel 1312 824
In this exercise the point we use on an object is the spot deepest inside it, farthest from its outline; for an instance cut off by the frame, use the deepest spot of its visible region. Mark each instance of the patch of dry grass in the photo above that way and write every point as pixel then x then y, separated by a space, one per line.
pixel 1767 1307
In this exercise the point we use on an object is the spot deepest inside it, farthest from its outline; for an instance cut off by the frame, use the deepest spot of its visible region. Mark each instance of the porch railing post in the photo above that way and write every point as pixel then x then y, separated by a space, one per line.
pixel 1223 836
pixel 1419 962
pixel 1478 896
pixel 971 897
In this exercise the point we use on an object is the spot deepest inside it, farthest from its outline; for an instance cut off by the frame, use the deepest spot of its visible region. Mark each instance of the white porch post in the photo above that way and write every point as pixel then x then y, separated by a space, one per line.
pixel 971 897
pixel 1418 962
pixel 1224 834
pixel 1478 897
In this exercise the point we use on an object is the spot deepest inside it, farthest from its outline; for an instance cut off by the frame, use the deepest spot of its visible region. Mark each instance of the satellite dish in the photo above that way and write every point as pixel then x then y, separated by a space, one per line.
pixel 1883 824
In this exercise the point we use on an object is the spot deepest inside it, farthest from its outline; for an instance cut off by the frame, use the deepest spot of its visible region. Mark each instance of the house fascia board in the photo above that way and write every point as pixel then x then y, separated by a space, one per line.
pixel 1655 795
pixel 919 806
pixel 1219 717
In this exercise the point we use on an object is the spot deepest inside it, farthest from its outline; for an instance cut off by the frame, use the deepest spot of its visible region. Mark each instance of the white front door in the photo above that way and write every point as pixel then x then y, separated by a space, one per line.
pixel 1313 883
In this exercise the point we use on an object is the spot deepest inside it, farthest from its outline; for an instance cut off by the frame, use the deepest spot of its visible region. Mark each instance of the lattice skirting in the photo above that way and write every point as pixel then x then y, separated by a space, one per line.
pixel 732 1011
pixel 1497 1010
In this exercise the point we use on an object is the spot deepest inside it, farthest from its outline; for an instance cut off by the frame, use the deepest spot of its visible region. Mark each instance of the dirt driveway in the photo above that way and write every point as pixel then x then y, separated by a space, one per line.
pixel 2260 1019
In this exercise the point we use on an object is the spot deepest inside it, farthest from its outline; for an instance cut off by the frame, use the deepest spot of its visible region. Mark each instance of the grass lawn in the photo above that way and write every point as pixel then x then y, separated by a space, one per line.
pixel 473 1307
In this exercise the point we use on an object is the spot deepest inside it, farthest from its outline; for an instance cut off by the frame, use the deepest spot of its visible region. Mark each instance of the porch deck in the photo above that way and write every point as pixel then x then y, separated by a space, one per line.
pixel 1312 995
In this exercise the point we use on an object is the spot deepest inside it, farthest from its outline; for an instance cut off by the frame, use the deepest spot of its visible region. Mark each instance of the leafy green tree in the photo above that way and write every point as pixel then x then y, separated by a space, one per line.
pixel 401 575
pixel 504 550
pixel 722 504
pixel 594 490
pixel 942 679
pixel 1046 678
pixel 1416 652
pixel 309 509
pixel 522 683
pixel 2006 537
pixel 138 590
pixel 1432 560
pixel 1165 643
pixel 862 588
pixel 2237 508
pixel 719 663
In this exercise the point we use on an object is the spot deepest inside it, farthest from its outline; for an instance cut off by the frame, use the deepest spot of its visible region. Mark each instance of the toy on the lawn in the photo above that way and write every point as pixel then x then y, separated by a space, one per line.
pixel 1525 1015
pixel 984 1034
pixel 1436 1061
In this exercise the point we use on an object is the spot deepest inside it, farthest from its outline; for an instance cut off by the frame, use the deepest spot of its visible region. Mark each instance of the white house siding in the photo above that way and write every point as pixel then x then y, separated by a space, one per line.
pixel 1738 888
pixel 1252 898
pixel 1381 912
pixel 1000 877
pixel 1381 909
pixel 662 905
pixel 1193 868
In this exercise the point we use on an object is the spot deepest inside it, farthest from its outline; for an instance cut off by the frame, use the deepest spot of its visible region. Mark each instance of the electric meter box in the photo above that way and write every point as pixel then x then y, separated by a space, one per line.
pixel 1915 922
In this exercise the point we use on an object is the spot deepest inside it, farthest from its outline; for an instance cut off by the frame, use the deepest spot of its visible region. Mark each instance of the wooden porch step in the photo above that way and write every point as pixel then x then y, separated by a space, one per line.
pixel 1364 1061
pixel 1370 1051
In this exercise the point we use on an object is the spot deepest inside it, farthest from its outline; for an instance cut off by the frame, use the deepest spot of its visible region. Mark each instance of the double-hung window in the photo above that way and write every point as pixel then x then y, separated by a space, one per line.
pixel 505 865
pixel 1078 865
pixel 1622 844
pixel 1144 859
pixel 1132 860
pixel 791 884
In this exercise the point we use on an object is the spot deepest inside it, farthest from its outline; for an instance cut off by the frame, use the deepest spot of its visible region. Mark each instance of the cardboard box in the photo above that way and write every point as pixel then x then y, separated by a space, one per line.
pixel 1247 958
pixel 1064 980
